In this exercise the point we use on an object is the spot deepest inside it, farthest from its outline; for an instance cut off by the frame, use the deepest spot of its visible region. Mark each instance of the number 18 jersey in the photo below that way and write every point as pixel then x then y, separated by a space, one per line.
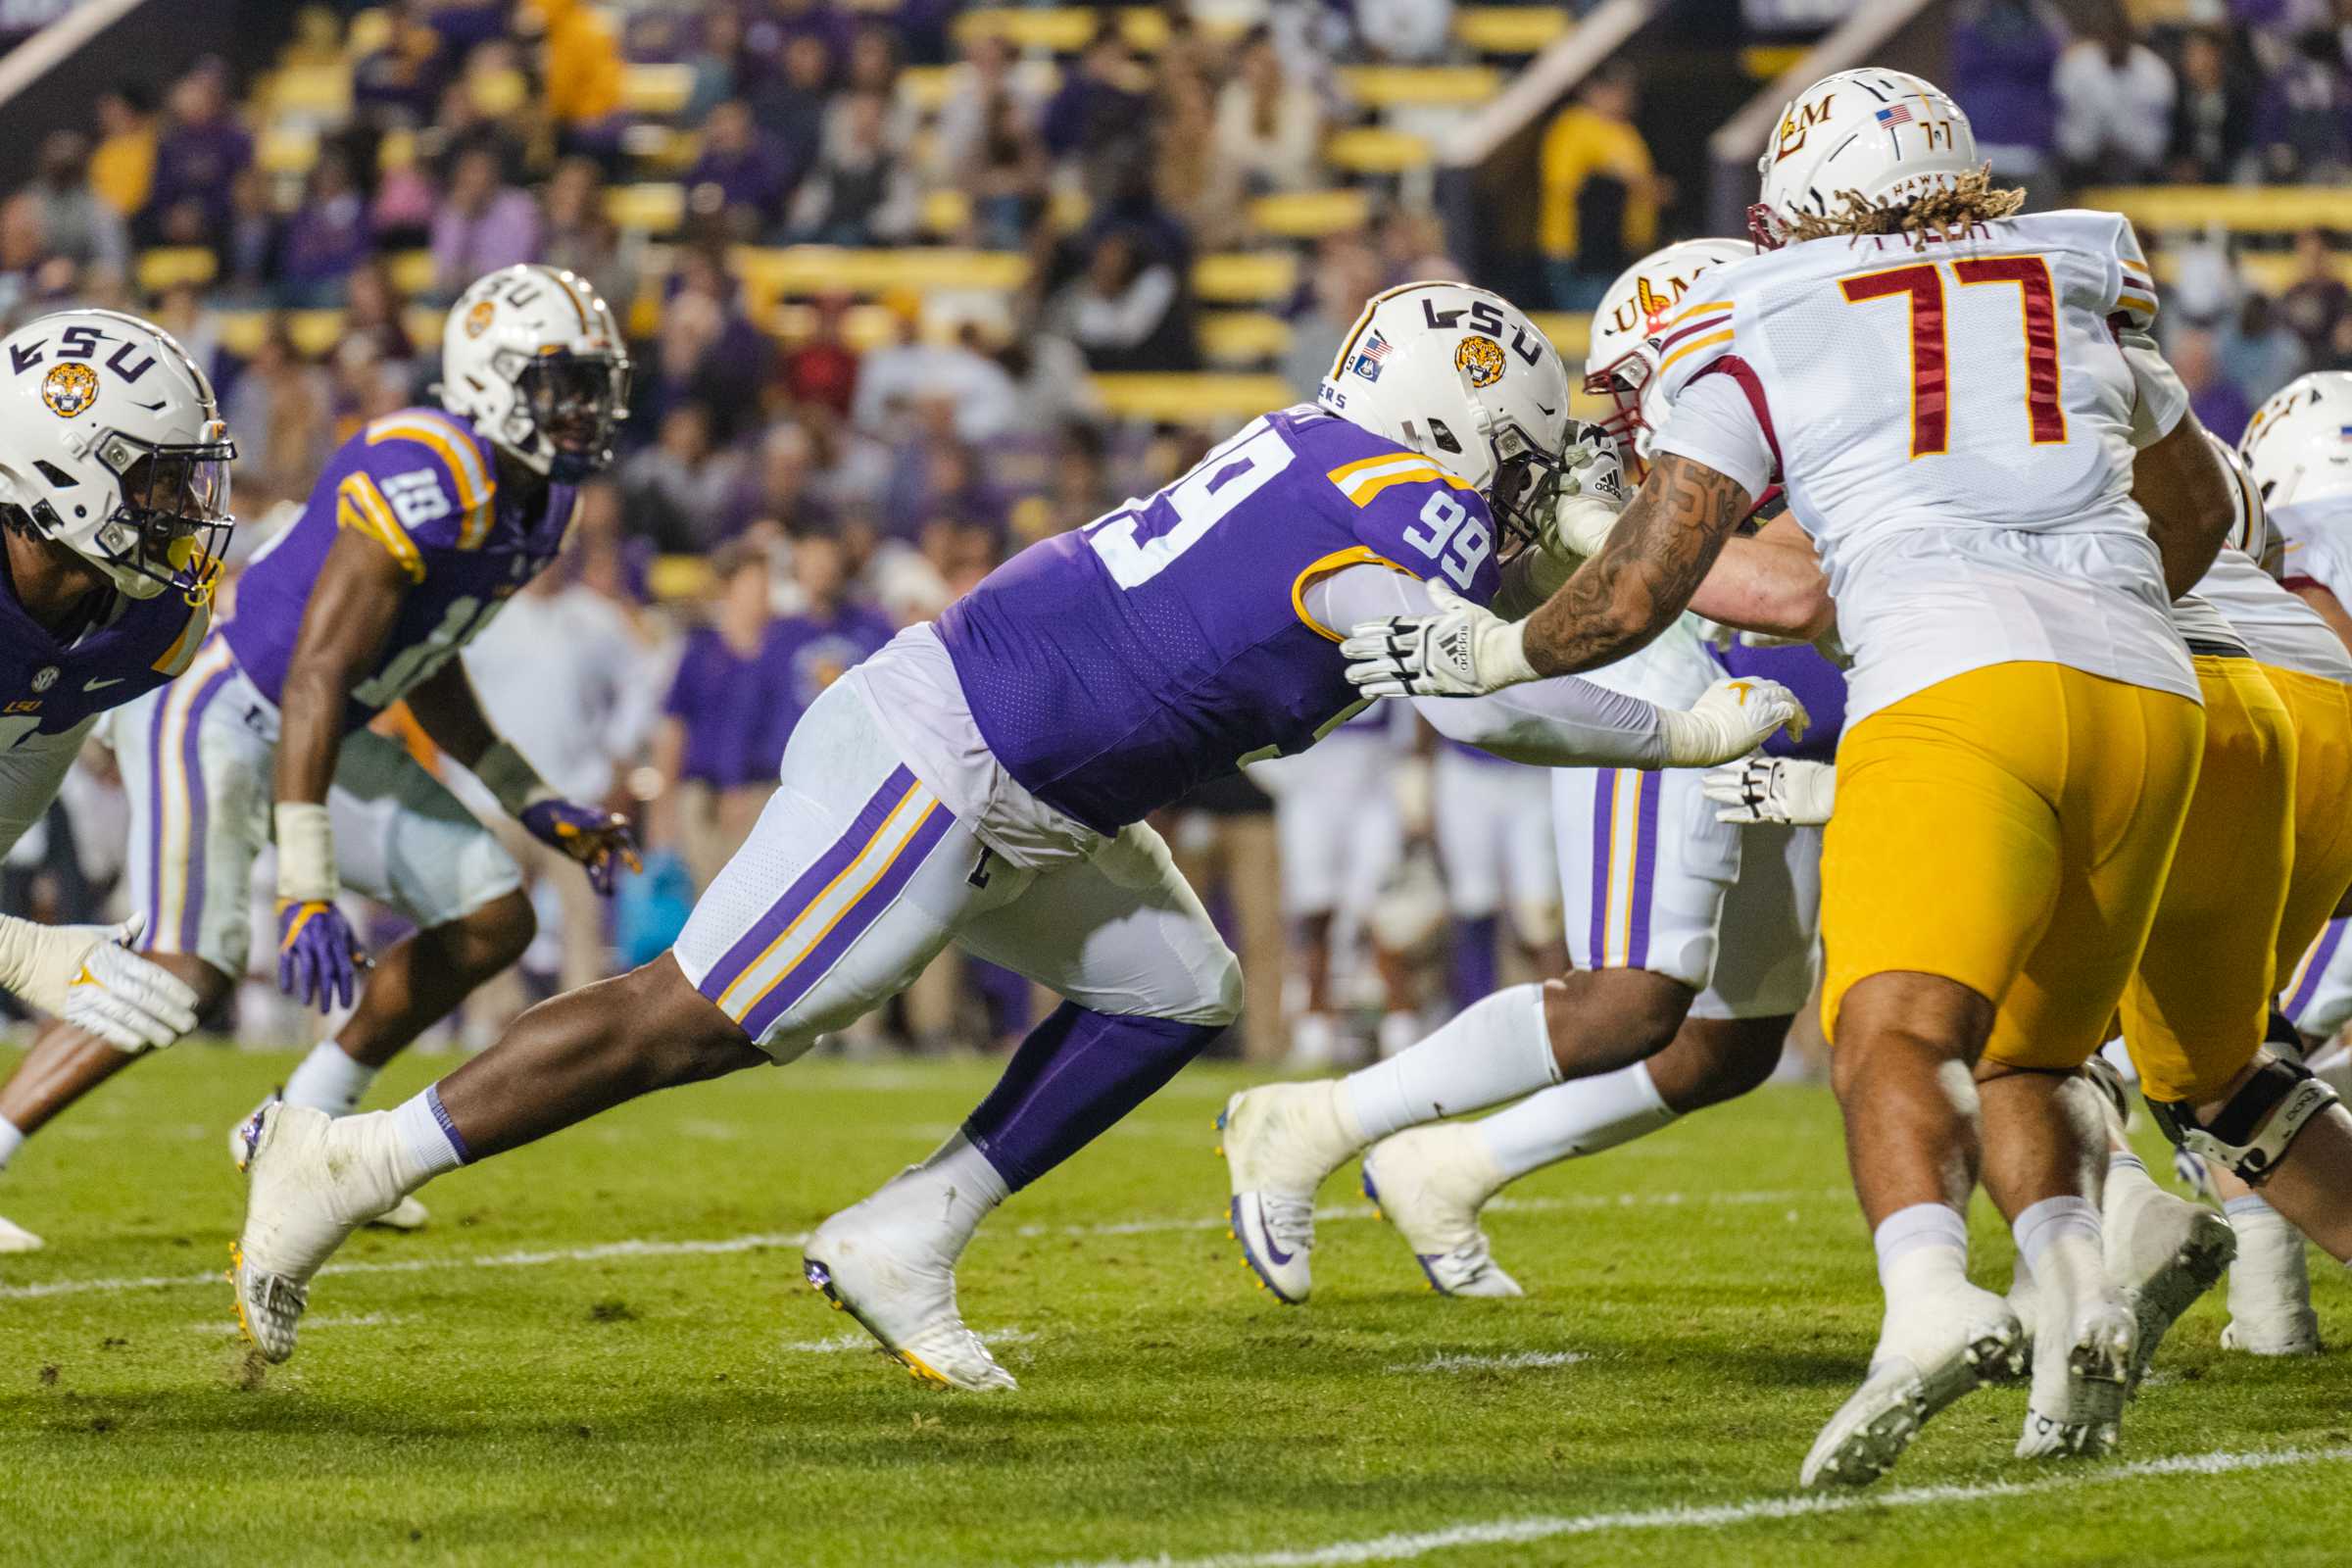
pixel 1111 670
pixel 1953 426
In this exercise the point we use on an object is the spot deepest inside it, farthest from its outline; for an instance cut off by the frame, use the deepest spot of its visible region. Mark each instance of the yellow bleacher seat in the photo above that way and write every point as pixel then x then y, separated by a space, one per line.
pixel 944 212
pixel 315 332
pixel 412 273
pixel 2241 209
pixel 423 324
pixel 1762 62
pixel 1246 277
pixel 655 89
pixel 648 207
pixel 370 30
pixel 1243 338
pixel 927 86
pixel 243 332
pixel 1571 332
pixel 1062 30
pixel 1457 86
pixel 679 577
pixel 169 265
pixel 1375 150
pixel 1201 398
pixel 1509 29
pixel 312 93
pixel 286 150
pixel 771 275
pixel 1311 214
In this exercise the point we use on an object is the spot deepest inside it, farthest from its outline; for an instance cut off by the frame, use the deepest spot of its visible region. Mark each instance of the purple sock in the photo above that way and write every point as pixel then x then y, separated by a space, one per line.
pixel 1074 1075
pixel 1475 959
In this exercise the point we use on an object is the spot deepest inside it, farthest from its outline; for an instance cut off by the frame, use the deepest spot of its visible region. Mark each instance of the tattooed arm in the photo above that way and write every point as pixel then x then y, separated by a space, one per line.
pixel 1644 575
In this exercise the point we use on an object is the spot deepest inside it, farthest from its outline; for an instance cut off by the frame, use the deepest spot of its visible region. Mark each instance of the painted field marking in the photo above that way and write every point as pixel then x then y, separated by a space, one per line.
pixel 1513 1361
pixel 1403 1548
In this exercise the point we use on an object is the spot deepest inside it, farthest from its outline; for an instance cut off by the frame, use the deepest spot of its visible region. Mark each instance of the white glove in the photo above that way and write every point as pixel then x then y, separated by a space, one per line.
pixel 88 976
pixel 1772 789
pixel 1592 494
pixel 1461 650
pixel 1731 718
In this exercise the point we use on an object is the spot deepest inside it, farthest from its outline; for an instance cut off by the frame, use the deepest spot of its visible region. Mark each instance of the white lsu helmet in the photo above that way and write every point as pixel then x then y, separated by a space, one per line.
pixel 2298 446
pixel 535 359
pixel 1463 377
pixel 1884 137
pixel 1621 363
pixel 111 445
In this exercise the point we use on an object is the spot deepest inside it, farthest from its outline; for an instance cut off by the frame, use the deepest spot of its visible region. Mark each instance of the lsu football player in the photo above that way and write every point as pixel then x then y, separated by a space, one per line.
pixel 420 529
pixel 114 511
pixel 986 778
pixel 1692 941
pixel 1936 382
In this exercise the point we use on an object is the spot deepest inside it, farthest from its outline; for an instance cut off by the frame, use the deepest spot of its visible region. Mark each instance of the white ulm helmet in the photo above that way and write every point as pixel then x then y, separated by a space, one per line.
pixel 1621 363
pixel 2249 519
pixel 1882 137
pixel 1463 377
pixel 111 444
pixel 2298 446
pixel 535 360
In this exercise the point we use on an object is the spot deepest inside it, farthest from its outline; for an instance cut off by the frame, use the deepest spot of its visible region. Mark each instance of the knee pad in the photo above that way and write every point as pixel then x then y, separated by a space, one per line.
pixel 2251 1133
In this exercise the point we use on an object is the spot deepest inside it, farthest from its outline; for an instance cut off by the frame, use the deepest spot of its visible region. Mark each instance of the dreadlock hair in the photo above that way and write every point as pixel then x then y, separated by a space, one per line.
pixel 1947 213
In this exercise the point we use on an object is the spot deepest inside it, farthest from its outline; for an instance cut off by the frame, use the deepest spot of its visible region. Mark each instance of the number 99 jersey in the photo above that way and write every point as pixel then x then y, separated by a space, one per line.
pixel 1113 669
pixel 1953 426
pixel 423 486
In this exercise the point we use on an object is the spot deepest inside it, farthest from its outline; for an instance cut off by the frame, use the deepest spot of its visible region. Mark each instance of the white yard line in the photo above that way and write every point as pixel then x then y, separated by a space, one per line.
pixel 1403 1548
pixel 1515 1361
pixel 644 1248
pixel 867 1342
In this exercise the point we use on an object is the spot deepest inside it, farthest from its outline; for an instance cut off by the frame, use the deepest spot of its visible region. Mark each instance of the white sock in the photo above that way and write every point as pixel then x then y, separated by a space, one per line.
pixel 2126 1175
pixel 11 1140
pixel 2056 1222
pixel 429 1145
pixel 1922 1247
pixel 956 1186
pixel 328 1080
pixel 1581 1116
pixel 1492 1051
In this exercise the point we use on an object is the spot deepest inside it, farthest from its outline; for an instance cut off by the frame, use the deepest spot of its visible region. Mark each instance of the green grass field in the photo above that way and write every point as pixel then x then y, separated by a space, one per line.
pixel 602 1352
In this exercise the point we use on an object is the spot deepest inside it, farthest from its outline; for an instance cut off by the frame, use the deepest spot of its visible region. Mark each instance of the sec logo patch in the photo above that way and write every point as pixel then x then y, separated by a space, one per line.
pixel 69 389
pixel 1480 359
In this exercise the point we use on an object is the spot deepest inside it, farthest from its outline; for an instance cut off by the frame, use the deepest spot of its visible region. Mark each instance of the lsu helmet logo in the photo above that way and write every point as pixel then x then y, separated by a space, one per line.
pixel 478 320
pixel 1799 123
pixel 1481 360
pixel 70 388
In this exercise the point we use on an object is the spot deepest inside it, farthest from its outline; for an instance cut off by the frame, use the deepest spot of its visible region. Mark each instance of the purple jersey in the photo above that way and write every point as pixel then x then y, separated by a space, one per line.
pixel 1112 670
pixel 1819 684
pixel 48 687
pixel 423 485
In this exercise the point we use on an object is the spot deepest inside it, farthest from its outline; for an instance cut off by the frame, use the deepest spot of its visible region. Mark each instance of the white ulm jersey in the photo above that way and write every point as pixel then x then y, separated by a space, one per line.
pixel 1953 426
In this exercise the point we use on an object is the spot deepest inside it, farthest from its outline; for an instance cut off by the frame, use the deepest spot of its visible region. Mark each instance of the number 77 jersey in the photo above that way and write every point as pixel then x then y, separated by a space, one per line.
pixel 1112 668
pixel 1953 426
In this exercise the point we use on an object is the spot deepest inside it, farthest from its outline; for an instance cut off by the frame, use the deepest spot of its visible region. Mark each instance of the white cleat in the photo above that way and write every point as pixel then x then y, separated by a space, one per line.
pixel 1931 1356
pixel 1430 1183
pixel 1280 1140
pixel 311 1181
pixel 901 1287
pixel 2162 1254
pixel 2082 1363
pixel 2269 1290
pixel 15 1237
pixel 405 1215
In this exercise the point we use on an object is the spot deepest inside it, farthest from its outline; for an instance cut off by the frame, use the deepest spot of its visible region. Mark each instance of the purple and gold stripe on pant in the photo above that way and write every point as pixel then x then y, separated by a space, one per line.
pixel 177 809
pixel 1625 858
pixel 804 934
pixel 2304 984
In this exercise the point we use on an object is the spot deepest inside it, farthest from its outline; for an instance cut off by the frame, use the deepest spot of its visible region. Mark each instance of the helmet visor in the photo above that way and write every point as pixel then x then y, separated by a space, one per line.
pixel 172 525
pixel 574 401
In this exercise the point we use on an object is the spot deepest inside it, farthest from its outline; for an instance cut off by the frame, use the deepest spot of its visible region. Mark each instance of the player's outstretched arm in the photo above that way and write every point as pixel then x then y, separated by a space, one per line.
pixel 1651 563
pixel 2180 484
pixel 351 612
pixel 1770 582
pixel 449 712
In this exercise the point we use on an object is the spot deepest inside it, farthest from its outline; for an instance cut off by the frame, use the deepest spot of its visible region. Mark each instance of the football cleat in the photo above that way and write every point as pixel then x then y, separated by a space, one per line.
pixel 2270 1289
pixel 901 1287
pixel 15 1237
pixel 1932 1354
pixel 2162 1254
pixel 2082 1367
pixel 1280 1140
pixel 405 1215
pixel 1430 1183
pixel 311 1181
